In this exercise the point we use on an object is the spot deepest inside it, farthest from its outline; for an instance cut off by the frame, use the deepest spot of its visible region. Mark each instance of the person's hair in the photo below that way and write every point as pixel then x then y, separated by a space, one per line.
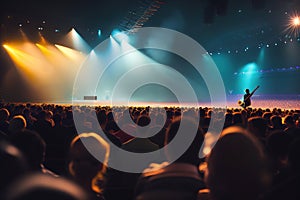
pixel 289 120
pixel 276 121
pixel 143 120
pixel 32 145
pixel 13 164
pixel 237 118
pixel 258 126
pixel 247 90
pixel 101 116
pixel 236 166
pixel 267 115
pixel 17 123
pixel 42 186
pixel 101 151
pixel 4 114
pixel 192 152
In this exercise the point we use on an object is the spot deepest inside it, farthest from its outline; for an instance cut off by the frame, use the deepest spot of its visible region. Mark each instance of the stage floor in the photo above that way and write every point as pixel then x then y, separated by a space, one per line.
pixel 258 101
pixel 268 101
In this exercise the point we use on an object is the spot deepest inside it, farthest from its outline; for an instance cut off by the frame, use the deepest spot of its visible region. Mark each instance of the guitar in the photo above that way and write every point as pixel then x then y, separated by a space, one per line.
pixel 242 103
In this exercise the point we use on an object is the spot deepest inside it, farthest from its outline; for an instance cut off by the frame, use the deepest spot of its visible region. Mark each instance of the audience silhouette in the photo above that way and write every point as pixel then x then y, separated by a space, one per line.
pixel 256 156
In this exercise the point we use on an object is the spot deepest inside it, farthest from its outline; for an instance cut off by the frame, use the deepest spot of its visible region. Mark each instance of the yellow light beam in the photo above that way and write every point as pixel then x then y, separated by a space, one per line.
pixel 44 50
pixel 20 57
pixel 24 36
pixel 71 53
pixel 43 41
pixel 32 65
pixel 21 60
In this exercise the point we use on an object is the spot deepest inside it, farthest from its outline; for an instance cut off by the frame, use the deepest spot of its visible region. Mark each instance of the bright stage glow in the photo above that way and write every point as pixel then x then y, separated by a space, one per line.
pixel 123 65
pixel 115 31
pixel 293 25
pixel 249 77
pixel 296 21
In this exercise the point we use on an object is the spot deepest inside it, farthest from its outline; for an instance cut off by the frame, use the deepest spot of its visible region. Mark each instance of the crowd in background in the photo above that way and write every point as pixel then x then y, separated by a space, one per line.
pixel 43 154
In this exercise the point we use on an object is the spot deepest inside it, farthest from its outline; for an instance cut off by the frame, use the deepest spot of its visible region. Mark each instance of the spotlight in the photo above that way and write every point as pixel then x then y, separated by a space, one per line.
pixel 119 36
pixel 293 25
pixel 296 21
pixel 115 32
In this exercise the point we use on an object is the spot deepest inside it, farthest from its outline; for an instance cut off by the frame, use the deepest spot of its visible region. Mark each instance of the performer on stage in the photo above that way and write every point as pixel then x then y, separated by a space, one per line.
pixel 247 98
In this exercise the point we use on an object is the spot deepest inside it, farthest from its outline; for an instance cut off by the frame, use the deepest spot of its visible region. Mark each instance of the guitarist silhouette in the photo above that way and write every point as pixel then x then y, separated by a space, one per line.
pixel 247 98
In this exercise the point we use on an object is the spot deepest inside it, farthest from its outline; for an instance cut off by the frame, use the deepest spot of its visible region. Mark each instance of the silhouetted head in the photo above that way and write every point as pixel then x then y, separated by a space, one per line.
pixel 237 118
pixel 16 124
pixel 41 186
pixel 289 120
pixel 13 164
pixel 188 125
pixel 258 126
pixel 85 166
pixel 247 91
pixel 32 145
pixel 4 114
pixel 143 120
pixel 276 121
pixel 236 166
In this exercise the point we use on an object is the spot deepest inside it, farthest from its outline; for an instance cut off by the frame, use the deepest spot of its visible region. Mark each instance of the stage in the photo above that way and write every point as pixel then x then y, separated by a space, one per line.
pixel 286 102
